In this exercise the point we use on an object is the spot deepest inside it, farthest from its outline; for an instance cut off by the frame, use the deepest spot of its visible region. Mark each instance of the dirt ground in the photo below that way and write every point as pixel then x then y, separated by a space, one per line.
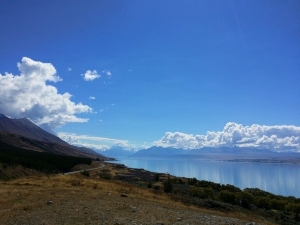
pixel 76 199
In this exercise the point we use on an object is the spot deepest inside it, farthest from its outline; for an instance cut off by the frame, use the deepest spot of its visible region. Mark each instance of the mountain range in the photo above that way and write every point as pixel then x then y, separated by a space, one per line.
pixel 221 153
pixel 22 133
pixel 118 151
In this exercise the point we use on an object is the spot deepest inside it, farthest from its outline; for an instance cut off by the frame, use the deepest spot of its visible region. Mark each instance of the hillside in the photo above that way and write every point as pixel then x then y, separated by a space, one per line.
pixel 22 133
pixel 8 141
pixel 127 195
pixel 26 128
pixel 78 199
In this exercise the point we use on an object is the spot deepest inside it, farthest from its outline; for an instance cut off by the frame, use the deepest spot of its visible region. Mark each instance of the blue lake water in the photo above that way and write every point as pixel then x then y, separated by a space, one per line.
pixel 280 179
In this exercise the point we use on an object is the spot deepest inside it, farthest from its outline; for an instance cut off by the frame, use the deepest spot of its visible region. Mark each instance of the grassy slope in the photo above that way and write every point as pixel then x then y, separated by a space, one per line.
pixel 75 199
pixel 120 179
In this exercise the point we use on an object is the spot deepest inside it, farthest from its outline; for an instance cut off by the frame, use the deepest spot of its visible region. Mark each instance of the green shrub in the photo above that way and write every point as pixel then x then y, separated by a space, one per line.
pixel 247 199
pixel 278 204
pixel 197 192
pixel 202 192
pixel 231 188
pixel 227 196
pixel 293 207
pixel 263 202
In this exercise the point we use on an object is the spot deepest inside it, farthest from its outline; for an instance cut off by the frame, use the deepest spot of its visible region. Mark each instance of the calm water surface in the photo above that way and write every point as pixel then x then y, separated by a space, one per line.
pixel 281 179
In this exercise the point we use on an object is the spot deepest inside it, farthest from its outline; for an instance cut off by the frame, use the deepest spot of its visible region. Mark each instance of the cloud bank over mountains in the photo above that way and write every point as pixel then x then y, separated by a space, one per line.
pixel 276 138
pixel 29 95
pixel 94 142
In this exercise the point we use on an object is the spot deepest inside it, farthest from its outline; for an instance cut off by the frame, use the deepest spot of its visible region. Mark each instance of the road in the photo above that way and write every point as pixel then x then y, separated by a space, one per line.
pixel 78 171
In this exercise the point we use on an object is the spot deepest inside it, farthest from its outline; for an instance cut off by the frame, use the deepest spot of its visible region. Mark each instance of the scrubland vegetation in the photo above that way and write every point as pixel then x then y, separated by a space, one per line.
pixel 41 161
pixel 228 199
pixel 82 199
pixel 225 198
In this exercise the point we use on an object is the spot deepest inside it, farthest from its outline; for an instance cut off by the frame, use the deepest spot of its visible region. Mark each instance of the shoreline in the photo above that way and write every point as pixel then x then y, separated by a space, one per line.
pixel 119 162
pixel 224 159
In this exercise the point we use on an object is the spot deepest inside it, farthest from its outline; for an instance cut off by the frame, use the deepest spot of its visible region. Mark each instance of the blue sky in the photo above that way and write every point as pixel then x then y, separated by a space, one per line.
pixel 163 66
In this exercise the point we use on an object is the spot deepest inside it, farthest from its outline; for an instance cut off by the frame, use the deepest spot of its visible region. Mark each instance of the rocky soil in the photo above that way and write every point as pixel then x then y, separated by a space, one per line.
pixel 74 199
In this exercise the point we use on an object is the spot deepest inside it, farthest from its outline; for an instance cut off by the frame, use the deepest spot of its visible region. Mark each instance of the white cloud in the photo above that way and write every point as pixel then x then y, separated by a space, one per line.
pixel 92 98
pixel 69 69
pixel 107 73
pixel 95 142
pixel 278 138
pixel 95 146
pixel 90 75
pixel 29 95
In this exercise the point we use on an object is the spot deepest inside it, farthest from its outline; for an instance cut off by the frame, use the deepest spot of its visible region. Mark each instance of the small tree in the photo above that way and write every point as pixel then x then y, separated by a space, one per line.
pixel 263 202
pixel 168 187
pixel 227 196
pixel 247 199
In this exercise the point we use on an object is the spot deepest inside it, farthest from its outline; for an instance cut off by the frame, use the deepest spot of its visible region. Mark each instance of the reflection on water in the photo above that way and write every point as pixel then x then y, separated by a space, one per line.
pixel 281 179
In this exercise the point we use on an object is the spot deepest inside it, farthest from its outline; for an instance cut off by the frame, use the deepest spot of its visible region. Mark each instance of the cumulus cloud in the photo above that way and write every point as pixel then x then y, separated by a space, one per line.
pixel 277 138
pixel 29 95
pixel 95 142
pixel 90 75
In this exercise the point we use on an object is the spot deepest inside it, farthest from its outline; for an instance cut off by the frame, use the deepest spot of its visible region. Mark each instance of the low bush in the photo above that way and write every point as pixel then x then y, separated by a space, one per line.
pixel 105 175
pixel 202 192
pixel 227 196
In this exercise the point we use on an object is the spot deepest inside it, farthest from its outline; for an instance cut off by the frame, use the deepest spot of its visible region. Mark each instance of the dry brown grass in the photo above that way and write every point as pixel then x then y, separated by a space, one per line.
pixel 76 199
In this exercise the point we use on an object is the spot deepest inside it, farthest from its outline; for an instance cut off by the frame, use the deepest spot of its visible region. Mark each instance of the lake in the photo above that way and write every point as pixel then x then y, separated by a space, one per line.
pixel 280 179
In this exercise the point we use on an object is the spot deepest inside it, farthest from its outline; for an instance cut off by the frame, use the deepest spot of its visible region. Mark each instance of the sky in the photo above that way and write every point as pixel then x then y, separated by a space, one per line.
pixel 184 74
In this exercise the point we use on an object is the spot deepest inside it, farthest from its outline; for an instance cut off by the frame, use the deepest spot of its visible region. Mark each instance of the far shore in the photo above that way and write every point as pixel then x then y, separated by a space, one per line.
pixel 224 158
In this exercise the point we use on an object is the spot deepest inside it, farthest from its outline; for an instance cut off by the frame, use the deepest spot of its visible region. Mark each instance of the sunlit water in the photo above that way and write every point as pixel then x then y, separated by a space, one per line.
pixel 280 179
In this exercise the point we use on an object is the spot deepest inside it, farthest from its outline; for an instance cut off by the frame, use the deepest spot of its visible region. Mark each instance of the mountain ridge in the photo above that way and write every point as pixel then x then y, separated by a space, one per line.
pixel 213 153
pixel 26 128
pixel 22 133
